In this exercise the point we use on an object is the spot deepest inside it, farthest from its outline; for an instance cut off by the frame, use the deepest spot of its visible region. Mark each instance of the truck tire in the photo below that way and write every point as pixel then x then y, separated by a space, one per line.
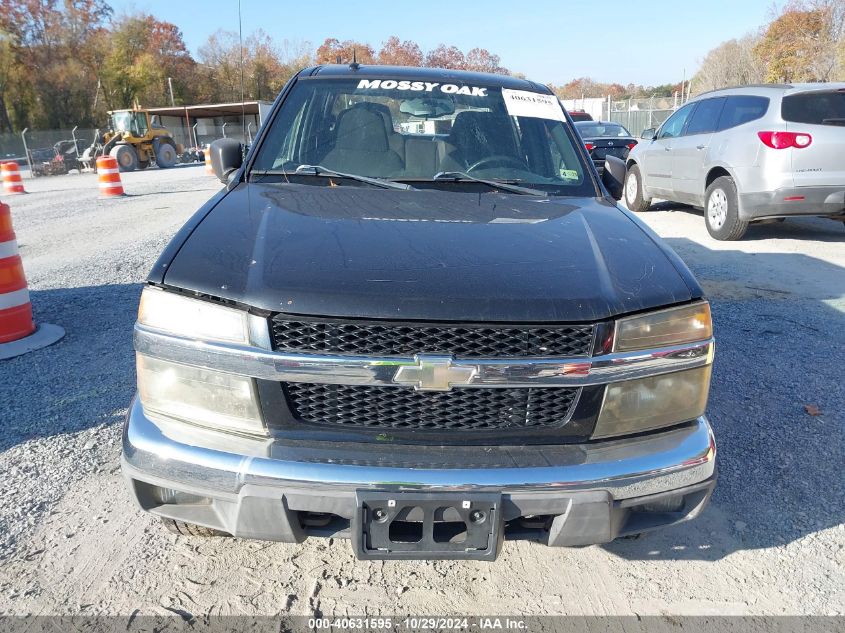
pixel 634 199
pixel 166 155
pixel 721 210
pixel 190 529
pixel 126 157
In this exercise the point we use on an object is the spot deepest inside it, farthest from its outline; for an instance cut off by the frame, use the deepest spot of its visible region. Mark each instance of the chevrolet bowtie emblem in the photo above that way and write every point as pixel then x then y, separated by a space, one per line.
pixel 434 373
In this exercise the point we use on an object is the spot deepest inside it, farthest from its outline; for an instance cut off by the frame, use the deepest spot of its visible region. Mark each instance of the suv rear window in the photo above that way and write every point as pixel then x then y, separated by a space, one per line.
pixel 815 108
pixel 742 109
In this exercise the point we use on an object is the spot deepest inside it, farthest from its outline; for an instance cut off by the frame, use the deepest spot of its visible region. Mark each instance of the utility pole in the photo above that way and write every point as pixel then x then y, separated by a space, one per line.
pixel 170 85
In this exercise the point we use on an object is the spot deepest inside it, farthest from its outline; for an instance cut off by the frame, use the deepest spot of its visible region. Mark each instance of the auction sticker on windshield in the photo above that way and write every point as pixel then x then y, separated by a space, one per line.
pixel 532 104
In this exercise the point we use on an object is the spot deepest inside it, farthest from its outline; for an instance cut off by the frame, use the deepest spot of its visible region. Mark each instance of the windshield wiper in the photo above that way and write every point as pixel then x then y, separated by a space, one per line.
pixel 319 170
pixel 834 121
pixel 460 176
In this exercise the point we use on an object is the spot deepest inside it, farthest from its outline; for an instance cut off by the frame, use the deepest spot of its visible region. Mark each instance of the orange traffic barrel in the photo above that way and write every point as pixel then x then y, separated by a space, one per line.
pixel 12 182
pixel 109 174
pixel 18 333
pixel 208 168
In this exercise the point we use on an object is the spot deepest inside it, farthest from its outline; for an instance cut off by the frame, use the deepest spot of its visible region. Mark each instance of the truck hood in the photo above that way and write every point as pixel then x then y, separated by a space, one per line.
pixel 427 255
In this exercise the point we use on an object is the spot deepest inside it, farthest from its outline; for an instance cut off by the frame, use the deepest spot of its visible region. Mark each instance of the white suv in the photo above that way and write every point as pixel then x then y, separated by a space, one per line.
pixel 747 154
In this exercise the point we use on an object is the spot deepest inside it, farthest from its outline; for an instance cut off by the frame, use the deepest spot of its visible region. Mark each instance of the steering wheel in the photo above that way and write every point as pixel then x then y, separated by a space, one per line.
pixel 501 160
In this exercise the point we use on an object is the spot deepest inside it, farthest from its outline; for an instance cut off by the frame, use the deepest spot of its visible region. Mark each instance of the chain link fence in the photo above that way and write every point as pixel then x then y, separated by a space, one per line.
pixel 40 148
pixel 635 114
pixel 639 114
pixel 14 146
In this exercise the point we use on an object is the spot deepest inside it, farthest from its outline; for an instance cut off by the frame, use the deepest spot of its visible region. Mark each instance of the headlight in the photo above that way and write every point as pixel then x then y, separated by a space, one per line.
pixel 645 404
pixel 193 318
pixel 205 397
pixel 193 394
pixel 685 324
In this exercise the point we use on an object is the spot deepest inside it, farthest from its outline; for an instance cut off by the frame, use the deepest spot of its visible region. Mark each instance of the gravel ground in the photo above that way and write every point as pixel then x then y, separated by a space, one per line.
pixel 771 542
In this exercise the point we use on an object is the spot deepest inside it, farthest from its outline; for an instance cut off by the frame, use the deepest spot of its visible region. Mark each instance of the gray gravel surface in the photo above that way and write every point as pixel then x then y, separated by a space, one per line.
pixel 772 541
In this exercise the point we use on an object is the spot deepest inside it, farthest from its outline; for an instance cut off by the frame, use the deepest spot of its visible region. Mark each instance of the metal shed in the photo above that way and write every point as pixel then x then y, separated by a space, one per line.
pixel 198 125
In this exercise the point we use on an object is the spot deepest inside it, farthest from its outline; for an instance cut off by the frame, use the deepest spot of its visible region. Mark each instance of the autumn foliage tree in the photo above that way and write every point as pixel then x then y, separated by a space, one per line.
pixel 396 53
pixel 65 62
pixel 141 54
pixel 483 61
pixel 267 65
pixel 446 57
pixel 804 41
pixel 46 78
pixel 797 46
pixel 333 51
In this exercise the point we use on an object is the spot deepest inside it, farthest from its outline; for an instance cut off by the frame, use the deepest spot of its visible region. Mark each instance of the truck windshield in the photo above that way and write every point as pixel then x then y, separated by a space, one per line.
pixel 418 131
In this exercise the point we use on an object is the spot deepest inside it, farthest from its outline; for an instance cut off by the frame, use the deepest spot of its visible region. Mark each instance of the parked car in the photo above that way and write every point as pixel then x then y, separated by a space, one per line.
pixel 407 320
pixel 605 138
pixel 580 115
pixel 747 154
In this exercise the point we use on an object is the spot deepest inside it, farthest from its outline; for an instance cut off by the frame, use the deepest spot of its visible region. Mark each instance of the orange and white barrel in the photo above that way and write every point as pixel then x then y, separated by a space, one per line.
pixel 208 168
pixel 109 175
pixel 12 182
pixel 15 308
pixel 18 332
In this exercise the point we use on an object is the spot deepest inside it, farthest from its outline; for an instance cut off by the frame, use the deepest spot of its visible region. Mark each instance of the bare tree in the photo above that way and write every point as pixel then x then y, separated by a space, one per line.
pixel 732 63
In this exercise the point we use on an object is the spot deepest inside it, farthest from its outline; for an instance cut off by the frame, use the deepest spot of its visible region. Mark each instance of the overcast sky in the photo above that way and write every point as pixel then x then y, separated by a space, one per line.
pixel 641 41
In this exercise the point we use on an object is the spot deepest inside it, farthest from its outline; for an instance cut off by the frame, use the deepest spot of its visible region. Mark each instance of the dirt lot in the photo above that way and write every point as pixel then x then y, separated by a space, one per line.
pixel 772 541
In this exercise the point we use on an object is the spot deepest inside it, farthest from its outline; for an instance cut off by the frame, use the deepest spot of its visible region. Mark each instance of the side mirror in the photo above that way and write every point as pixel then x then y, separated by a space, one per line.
pixel 613 176
pixel 649 133
pixel 226 157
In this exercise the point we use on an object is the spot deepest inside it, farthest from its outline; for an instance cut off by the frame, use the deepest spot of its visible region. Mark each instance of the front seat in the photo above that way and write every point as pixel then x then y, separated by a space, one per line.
pixel 478 135
pixel 395 140
pixel 361 146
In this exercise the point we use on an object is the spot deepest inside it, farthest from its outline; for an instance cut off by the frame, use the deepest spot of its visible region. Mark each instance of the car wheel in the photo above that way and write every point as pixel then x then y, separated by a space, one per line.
pixel 190 529
pixel 721 210
pixel 634 199
pixel 126 157
pixel 166 156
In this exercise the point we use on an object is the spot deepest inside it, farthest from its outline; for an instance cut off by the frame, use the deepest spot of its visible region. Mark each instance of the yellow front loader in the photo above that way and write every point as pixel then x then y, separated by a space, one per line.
pixel 137 140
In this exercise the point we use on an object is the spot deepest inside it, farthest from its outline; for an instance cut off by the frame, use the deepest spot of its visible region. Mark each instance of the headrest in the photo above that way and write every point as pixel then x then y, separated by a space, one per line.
pixel 361 129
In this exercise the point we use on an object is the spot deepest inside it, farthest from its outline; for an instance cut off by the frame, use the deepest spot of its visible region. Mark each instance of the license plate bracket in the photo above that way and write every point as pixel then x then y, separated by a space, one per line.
pixel 430 526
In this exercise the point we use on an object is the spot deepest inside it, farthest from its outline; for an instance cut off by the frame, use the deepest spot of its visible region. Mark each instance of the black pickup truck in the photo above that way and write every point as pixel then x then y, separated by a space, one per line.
pixel 415 317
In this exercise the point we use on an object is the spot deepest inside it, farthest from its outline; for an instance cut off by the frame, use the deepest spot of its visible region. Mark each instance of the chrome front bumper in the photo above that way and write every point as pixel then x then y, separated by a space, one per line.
pixel 257 488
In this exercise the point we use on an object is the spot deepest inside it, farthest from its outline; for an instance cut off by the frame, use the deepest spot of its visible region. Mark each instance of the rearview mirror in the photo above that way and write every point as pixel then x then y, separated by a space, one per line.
pixel 648 133
pixel 427 107
pixel 613 176
pixel 226 157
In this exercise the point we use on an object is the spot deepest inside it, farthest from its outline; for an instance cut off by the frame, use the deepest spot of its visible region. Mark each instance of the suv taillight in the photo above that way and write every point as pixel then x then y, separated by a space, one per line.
pixel 785 140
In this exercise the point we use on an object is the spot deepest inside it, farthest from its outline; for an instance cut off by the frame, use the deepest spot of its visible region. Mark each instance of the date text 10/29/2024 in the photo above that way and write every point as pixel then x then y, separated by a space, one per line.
pixel 420 623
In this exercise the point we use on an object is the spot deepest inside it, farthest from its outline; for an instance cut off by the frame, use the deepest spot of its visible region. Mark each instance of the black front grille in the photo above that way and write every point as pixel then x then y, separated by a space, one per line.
pixel 407 339
pixel 401 408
